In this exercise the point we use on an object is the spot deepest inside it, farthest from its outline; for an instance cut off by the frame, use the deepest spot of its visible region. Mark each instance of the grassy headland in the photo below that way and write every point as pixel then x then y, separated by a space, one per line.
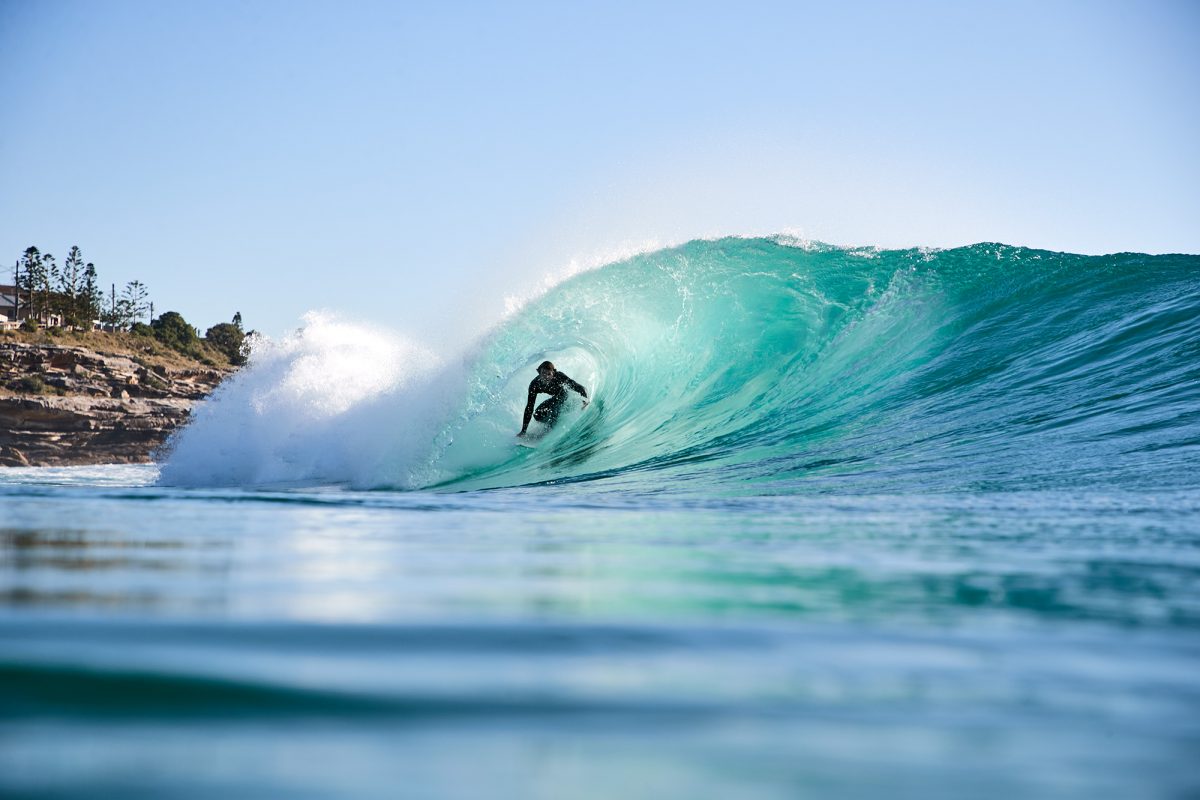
pixel 145 350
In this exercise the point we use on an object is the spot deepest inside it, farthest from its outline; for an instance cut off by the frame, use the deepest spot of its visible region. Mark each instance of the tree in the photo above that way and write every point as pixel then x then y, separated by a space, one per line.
pixel 32 268
pixel 133 305
pixel 90 297
pixel 229 339
pixel 125 314
pixel 50 278
pixel 174 331
pixel 70 287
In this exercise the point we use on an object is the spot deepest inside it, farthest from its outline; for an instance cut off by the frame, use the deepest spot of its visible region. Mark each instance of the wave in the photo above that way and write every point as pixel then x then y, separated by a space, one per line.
pixel 761 365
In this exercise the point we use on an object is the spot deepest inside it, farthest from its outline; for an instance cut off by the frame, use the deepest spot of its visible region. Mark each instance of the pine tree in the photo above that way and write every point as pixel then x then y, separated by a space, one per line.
pixel 90 298
pixel 133 305
pixel 32 276
pixel 70 286
pixel 50 278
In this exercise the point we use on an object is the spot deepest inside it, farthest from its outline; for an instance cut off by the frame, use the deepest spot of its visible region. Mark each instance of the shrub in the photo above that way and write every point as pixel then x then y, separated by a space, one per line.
pixel 174 331
pixel 154 382
pixel 29 384
pixel 228 338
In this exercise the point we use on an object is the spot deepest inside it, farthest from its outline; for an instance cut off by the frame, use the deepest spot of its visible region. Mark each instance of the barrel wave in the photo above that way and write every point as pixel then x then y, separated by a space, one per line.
pixel 753 365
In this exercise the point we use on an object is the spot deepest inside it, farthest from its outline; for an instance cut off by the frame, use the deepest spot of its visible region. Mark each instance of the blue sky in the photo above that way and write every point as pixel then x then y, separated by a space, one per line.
pixel 414 164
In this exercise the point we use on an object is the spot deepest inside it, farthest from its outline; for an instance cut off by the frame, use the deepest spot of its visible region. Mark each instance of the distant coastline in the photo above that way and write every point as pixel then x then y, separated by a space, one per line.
pixel 84 379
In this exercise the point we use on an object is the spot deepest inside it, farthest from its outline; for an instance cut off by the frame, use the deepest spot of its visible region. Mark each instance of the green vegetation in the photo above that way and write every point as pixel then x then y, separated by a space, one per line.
pixel 229 339
pixel 174 331
pixel 154 382
pixel 66 302
pixel 34 383
pixel 71 294
pixel 145 350
pixel 29 384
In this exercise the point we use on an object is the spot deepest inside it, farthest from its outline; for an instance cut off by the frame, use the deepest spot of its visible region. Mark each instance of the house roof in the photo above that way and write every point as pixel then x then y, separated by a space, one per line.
pixel 8 296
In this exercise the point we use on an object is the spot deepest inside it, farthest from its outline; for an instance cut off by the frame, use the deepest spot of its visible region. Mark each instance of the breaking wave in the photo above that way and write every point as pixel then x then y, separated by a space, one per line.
pixel 751 365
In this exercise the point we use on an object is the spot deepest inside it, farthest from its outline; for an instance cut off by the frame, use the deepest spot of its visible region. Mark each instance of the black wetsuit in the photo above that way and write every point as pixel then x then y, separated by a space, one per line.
pixel 556 386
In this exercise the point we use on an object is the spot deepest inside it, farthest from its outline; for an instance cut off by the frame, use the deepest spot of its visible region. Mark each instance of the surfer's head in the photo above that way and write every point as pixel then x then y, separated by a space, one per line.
pixel 546 368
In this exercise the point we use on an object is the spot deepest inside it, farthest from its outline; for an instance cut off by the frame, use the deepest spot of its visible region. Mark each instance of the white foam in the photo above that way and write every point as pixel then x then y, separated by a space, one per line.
pixel 334 402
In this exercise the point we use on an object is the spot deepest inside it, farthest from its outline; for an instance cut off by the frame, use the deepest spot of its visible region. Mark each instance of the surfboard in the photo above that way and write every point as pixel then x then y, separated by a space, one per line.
pixel 531 438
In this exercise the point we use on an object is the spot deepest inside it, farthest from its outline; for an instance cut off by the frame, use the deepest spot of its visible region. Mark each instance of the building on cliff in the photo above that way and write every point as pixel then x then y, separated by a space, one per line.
pixel 15 309
pixel 11 310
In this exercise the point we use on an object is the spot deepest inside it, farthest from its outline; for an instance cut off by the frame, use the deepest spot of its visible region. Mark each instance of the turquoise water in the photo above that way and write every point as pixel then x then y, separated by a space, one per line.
pixel 837 523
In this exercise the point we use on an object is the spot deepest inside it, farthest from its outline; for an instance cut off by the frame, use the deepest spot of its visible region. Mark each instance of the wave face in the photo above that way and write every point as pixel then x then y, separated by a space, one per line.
pixel 754 365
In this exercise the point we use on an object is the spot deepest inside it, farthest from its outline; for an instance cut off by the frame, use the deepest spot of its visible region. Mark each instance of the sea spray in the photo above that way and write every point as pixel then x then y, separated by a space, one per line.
pixel 316 406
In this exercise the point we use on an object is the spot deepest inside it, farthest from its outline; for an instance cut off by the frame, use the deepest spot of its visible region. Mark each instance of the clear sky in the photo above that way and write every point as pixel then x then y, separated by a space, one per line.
pixel 412 164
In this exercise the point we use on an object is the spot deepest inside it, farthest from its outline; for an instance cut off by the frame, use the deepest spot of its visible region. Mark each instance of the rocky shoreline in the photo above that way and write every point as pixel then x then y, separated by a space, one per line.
pixel 71 405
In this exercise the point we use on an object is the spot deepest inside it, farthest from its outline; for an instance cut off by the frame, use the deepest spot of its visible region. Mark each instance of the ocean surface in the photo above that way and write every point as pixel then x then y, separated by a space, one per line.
pixel 837 523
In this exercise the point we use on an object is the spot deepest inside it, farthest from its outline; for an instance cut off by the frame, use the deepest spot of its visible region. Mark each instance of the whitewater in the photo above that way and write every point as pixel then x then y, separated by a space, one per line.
pixel 844 522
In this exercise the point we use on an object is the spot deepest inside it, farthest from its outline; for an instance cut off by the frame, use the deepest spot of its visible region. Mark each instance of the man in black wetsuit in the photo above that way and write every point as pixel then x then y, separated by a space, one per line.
pixel 554 383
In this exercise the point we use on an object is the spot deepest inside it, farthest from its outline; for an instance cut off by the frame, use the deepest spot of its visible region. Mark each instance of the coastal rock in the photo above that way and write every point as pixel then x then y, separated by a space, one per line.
pixel 63 405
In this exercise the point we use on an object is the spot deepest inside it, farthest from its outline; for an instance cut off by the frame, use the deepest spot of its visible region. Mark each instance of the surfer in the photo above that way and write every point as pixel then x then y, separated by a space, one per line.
pixel 554 383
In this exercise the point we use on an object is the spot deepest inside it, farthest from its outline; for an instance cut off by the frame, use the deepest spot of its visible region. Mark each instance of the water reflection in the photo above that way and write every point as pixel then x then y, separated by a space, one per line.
pixel 923 560
pixel 712 647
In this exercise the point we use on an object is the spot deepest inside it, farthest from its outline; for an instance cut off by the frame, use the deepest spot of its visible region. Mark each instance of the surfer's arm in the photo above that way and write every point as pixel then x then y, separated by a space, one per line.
pixel 528 410
pixel 577 387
